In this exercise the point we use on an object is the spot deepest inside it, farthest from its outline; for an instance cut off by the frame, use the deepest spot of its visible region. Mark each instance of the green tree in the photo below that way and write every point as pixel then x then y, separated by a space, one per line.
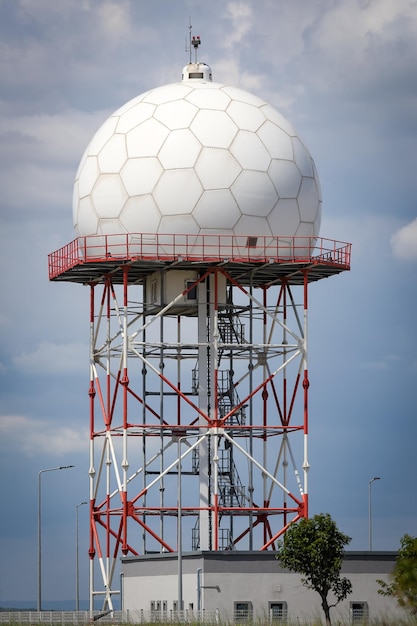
pixel 314 548
pixel 404 576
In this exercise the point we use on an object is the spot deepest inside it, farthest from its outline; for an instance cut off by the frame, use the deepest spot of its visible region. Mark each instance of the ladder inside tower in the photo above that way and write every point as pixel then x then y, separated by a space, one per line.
pixel 232 494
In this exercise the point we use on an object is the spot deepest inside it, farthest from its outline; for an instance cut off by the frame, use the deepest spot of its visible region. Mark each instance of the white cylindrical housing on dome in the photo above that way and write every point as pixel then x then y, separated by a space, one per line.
pixel 199 71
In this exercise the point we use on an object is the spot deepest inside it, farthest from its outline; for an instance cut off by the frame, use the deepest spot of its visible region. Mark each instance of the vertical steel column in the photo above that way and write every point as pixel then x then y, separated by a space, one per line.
pixel 215 403
pixel 91 470
pixel 204 405
pixel 125 387
pixel 306 385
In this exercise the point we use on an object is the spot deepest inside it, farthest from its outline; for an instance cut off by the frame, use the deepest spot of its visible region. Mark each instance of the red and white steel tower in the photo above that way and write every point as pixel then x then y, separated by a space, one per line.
pixel 197 209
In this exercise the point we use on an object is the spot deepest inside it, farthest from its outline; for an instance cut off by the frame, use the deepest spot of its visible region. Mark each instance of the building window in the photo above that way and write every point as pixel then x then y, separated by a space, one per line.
pixel 192 293
pixel 278 612
pixel 243 611
pixel 358 612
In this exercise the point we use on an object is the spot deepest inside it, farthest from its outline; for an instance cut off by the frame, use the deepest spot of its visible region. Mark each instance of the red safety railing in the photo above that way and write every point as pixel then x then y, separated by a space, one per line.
pixel 207 247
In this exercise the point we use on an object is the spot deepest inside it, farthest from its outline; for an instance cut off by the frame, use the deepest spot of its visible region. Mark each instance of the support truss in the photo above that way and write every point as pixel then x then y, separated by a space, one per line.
pixel 205 395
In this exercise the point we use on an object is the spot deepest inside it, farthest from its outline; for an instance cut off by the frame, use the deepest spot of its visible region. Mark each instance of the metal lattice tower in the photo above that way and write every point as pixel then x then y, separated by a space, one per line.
pixel 198 391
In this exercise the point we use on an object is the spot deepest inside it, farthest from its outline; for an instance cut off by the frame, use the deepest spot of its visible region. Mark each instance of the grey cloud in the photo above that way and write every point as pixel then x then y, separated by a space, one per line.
pixel 404 242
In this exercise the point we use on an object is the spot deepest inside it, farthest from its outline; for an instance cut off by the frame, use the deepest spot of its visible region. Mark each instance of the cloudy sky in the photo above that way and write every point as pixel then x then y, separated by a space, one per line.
pixel 344 72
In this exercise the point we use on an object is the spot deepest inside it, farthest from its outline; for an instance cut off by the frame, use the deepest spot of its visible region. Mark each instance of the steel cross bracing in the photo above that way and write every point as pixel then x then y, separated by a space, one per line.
pixel 205 395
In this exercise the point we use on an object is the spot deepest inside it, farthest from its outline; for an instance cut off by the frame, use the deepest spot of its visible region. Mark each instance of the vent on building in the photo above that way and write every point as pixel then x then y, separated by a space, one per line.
pixel 359 612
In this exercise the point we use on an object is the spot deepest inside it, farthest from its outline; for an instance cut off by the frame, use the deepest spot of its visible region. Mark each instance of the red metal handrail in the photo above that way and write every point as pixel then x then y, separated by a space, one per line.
pixel 207 247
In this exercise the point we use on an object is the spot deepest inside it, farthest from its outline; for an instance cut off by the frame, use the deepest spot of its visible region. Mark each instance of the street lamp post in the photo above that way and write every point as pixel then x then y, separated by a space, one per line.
pixel 370 509
pixel 77 582
pixel 51 469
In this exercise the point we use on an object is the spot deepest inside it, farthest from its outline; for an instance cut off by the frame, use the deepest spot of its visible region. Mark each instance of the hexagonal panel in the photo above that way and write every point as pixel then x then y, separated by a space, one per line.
pixel 286 178
pixel 140 215
pixel 308 200
pixel 82 162
pixel 254 192
pixel 305 229
pixel 246 116
pixel 88 176
pixel 216 209
pixel 209 98
pixel 140 176
pixel 277 142
pixel 176 114
pixel 180 150
pixel 214 128
pixel 108 196
pixel 177 192
pixel 134 116
pixel 146 139
pixel 167 93
pixel 274 116
pixel 250 152
pixel 178 224
pixel 217 168
pixel 285 218
pixel 302 157
pixel 252 226
pixel 86 220
pixel 108 226
pixel 113 155
pixel 317 180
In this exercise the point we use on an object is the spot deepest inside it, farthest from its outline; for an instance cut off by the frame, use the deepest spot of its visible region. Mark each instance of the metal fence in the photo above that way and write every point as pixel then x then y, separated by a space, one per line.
pixel 112 617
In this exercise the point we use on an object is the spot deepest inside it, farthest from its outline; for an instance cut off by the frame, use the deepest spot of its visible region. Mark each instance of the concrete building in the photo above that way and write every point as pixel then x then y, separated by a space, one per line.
pixel 245 586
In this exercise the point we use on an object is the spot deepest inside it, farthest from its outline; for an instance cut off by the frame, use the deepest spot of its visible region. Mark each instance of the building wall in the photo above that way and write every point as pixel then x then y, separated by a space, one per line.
pixel 220 583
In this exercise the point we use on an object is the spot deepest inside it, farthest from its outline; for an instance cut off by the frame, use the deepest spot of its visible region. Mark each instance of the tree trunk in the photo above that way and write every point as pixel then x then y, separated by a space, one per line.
pixel 326 610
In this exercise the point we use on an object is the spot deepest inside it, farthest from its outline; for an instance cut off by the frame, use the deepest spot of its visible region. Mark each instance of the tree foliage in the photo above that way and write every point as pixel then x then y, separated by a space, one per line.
pixel 404 576
pixel 314 548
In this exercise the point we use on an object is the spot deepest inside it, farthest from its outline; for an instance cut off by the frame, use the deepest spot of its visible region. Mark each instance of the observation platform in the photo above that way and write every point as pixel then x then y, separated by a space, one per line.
pixel 259 261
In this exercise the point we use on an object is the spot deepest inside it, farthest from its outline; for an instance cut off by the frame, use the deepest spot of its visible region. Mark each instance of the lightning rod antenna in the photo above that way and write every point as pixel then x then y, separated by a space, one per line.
pixel 189 35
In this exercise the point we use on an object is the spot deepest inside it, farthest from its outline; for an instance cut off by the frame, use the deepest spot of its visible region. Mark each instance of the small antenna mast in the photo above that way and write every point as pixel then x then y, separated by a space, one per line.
pixel 194 42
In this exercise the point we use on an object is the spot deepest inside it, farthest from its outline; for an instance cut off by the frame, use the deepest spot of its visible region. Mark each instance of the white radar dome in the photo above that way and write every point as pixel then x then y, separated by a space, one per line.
pixel 197 157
